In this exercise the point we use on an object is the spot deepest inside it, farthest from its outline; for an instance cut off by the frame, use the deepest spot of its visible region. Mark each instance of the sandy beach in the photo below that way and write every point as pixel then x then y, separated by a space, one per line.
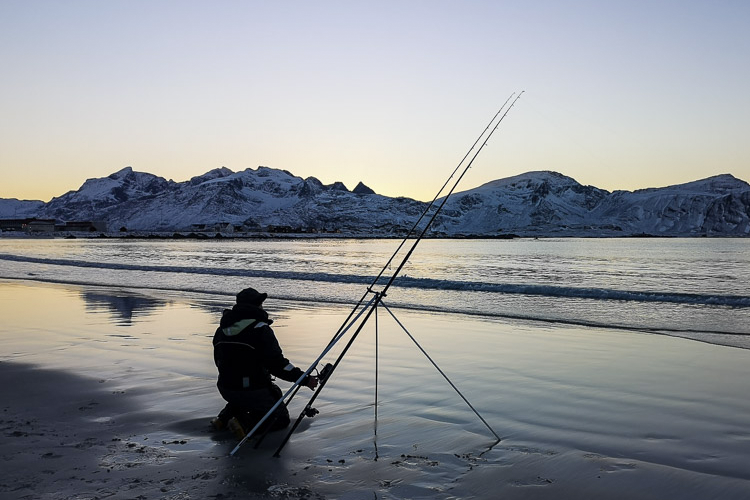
pixel 107 393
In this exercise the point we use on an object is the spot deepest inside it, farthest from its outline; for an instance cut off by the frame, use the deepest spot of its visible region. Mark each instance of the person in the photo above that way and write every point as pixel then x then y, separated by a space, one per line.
pixel 247 355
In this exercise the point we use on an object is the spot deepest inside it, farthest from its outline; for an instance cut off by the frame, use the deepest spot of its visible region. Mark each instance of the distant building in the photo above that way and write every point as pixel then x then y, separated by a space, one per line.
pixel 41 226
pixel 28 225
pixel 82 226
pixel 14 224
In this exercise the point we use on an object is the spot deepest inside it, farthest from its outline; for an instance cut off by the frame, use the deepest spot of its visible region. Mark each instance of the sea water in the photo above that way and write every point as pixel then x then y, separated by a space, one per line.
pixel 694 287
pixel 543 337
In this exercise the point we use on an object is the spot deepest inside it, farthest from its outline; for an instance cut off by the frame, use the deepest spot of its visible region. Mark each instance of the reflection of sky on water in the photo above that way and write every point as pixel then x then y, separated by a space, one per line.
pixel 94 329
pixel 123 306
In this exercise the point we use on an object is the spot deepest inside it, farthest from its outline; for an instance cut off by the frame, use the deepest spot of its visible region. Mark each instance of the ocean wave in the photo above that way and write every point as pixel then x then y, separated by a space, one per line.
pixel 602 294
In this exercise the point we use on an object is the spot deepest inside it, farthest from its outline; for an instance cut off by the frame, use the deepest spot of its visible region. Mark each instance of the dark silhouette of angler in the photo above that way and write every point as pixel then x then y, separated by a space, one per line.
pixel 358 311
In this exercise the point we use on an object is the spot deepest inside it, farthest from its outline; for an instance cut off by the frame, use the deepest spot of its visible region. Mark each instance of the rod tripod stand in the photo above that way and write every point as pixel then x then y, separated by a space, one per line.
pixel 362 314
pixel 308 411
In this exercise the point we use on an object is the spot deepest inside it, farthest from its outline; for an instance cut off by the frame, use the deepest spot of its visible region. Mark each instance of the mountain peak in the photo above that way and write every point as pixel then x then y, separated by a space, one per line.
pixel 123 172
pixel 362 189
pixel 721 183
pixel 216 173
pixel 338 186
pixel 532 178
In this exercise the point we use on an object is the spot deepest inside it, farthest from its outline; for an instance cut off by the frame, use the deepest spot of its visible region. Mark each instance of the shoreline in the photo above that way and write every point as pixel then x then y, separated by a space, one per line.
pixel 219 235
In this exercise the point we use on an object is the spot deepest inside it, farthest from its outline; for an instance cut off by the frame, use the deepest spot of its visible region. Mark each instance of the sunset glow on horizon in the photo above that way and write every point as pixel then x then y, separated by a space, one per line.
pixel 619 95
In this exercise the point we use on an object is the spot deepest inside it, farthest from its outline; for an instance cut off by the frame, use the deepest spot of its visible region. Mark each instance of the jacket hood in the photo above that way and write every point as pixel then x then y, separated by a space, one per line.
pixel 243 311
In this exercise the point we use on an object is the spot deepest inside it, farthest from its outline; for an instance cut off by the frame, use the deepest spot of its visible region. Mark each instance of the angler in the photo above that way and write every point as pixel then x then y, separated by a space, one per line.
pixel 247 354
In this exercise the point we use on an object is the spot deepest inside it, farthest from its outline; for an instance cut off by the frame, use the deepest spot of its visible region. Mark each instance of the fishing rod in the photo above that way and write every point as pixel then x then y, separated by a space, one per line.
pixel 437 195
pixel 295 389
pixel 445 199
pixel 379 295
pixel 421 217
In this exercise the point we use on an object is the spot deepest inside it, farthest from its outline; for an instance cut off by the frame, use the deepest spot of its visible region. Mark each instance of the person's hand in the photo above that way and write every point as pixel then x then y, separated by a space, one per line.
pixel 311 382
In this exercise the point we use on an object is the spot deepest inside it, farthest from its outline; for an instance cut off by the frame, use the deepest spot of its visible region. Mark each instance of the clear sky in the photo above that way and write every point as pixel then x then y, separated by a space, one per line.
pixel 619 94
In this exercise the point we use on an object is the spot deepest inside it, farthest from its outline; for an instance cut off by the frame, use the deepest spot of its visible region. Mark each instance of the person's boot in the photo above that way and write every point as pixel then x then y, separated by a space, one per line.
pixel 235 426
pixel 219 423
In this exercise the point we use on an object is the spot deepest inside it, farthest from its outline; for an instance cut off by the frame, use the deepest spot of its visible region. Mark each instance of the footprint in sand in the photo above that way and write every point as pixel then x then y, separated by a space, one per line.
pixel 534 481
pixel 607 464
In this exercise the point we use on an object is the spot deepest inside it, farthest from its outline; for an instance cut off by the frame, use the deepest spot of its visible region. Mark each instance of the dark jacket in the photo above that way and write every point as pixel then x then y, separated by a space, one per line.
pixel 246 351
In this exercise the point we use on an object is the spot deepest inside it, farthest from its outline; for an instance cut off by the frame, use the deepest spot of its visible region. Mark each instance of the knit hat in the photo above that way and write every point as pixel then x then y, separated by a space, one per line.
pixel 251 296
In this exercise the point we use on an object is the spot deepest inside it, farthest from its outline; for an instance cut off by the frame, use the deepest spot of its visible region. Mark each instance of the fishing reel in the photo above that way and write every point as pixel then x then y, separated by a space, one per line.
pixel 323 375
pixel 310 411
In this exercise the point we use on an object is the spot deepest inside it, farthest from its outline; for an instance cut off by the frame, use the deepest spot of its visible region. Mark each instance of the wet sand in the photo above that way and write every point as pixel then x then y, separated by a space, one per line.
pixel 107 393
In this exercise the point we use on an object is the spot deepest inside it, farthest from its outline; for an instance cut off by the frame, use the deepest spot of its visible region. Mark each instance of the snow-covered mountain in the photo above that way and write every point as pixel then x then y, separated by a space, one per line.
pixel 532 204
pixel 253 198
pixel 102 199
pixel 549 203
pixel 12 208
pixel 538 202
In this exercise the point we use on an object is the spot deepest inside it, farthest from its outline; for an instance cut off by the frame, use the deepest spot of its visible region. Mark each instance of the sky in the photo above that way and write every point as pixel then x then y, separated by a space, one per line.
pixel 617 94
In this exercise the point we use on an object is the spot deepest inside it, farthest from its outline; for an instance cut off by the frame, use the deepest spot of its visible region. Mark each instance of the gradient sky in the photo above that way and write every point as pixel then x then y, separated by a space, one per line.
pixel 619 94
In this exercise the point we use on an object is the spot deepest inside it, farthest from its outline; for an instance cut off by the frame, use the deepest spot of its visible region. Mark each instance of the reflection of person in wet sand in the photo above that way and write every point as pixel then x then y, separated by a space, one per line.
pixel 247 355
pixel 124 307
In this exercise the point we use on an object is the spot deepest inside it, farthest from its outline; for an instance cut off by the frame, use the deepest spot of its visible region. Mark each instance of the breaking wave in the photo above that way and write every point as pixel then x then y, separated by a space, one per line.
pixel 603 294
